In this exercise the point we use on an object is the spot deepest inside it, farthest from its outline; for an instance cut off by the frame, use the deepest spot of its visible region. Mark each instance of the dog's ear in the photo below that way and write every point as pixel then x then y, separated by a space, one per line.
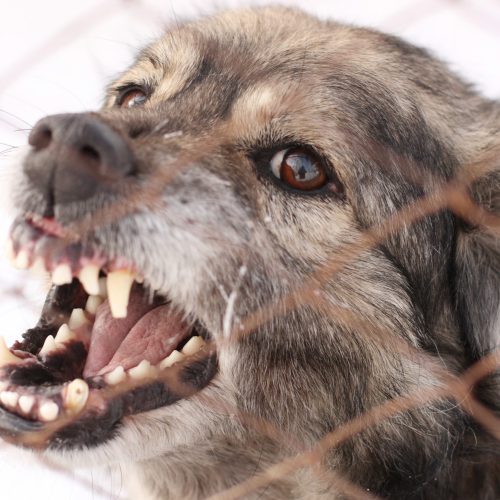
pixel 477 261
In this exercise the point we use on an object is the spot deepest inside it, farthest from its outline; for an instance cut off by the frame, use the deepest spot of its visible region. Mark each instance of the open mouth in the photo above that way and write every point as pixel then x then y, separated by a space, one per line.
pixel 106 345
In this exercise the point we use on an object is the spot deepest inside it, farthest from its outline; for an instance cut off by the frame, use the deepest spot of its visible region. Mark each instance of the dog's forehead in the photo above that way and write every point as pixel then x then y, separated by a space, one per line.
pixel 248 46
pixel 274 65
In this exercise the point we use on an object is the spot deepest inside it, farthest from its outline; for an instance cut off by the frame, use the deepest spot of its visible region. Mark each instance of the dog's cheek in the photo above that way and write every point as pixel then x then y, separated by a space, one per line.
pixel 309 228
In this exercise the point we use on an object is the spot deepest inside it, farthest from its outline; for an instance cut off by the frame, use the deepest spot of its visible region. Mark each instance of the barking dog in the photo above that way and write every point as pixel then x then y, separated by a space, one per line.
pixel 248 252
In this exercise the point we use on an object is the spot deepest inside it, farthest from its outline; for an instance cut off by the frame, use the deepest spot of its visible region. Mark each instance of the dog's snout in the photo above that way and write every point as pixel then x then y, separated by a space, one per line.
pixel 75 156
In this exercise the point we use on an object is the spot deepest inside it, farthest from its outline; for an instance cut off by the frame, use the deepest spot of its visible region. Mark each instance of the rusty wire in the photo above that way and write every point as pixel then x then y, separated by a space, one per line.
pixel 452 196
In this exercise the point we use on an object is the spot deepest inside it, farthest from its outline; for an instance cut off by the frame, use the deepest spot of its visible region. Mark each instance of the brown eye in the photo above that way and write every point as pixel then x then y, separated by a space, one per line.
pixel 299 168
pixel 131 98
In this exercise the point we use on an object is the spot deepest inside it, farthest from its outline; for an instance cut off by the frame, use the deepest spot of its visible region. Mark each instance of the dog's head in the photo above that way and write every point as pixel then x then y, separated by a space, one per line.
pixel 223 240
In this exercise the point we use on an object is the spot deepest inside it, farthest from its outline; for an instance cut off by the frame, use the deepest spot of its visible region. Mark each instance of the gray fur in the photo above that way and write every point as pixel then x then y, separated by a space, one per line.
pixel 393 123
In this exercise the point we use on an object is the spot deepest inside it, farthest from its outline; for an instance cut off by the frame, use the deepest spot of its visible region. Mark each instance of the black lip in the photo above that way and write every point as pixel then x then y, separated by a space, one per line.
pixel 90 432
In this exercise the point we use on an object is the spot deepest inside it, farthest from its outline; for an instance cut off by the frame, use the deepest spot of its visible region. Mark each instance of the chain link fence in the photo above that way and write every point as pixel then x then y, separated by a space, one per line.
pixel 416 20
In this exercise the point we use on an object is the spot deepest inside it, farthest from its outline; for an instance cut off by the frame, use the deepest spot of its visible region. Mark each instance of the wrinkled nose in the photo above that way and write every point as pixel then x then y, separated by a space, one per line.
pixel 76 156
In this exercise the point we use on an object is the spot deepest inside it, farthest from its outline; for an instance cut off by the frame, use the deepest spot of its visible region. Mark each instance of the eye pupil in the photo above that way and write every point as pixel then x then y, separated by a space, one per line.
pixel 301 169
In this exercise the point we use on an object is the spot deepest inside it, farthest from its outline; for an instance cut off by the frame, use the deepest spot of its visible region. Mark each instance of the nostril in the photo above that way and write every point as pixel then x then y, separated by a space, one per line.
pixel 40 137
pixel 91 155
pixel 90 152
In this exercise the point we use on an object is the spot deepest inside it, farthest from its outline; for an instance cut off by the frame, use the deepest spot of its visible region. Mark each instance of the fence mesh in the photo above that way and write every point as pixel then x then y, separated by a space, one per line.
pixel 452 196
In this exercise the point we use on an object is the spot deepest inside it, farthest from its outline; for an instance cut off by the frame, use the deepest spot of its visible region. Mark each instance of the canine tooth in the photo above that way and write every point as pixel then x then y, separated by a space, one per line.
pixel 171 359
pixel 64 334
pixel 115 376
pixel 22 260
pixel 77 319
pixel 89 278
pixel 48 411
pixel 142 370
pixel 48 346
pixel 26 403
pixel 6 357
pixel 76 395
pixel 93 302
pixel 193 346
pixel 103 288
pixel 62 275
pixel 119 284
pixel 9 398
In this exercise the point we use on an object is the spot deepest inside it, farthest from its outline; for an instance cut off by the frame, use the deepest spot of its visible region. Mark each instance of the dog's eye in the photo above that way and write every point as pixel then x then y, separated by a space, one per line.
pixel 132 97
pixel 299 168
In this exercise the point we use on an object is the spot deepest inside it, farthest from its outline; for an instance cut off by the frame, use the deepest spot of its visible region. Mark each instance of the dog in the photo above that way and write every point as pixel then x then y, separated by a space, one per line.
pixel 274 226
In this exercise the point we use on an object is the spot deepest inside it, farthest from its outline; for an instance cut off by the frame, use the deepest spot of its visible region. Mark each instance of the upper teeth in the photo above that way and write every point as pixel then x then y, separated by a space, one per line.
pixel 119 284
pixel 89 278
pixel 9 250
pixel 103 289
pixel 62 275
pixel 93 302
pixel 22 261
pixel 6 356
pixel 116 287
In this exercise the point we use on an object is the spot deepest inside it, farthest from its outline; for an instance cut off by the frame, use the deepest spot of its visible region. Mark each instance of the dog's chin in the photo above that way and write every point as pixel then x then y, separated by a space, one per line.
pixel 148 435
pixel 107 350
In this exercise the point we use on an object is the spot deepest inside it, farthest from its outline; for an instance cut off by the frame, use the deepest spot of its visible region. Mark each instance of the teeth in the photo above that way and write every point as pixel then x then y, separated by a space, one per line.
pixel 9 250
pixel 89 278
pixel 171 359
pixel 22 260
pixel 6 357
pixel 26 403
pixel 103 288
pixel 64 334
pixel 76 396
pixel 142 370
pixel 93 302
pixel 48 346
pixel 48 411
pixel 62 275
pixel 119 284
pixel 9 399
pixel 193 346
pixel 38 266
pixel 77 319
pixel 116 376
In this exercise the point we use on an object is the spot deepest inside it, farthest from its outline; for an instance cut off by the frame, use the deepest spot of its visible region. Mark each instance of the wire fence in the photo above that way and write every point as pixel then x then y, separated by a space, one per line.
pixel 453 196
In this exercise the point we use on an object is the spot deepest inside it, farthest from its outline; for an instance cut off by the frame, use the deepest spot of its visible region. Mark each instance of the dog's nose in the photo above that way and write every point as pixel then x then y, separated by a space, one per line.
pixel 75 156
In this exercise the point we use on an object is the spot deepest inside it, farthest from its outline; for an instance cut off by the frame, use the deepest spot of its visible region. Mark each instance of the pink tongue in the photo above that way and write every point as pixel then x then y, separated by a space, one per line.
pixel 148 332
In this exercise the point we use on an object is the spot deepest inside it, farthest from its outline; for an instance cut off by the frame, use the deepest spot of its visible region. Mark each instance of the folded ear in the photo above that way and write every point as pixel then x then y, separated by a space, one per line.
pixel 477 271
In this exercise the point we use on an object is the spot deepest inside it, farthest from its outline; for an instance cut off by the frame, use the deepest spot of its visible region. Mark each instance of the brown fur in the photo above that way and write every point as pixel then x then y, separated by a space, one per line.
pixel 394 124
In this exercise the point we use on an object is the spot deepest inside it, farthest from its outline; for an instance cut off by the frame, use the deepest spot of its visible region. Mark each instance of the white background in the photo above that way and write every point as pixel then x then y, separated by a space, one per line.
pixel 56 55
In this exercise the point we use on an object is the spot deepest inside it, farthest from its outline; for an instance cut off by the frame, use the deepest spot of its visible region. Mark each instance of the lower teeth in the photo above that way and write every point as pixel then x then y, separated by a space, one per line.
pixel 74 395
